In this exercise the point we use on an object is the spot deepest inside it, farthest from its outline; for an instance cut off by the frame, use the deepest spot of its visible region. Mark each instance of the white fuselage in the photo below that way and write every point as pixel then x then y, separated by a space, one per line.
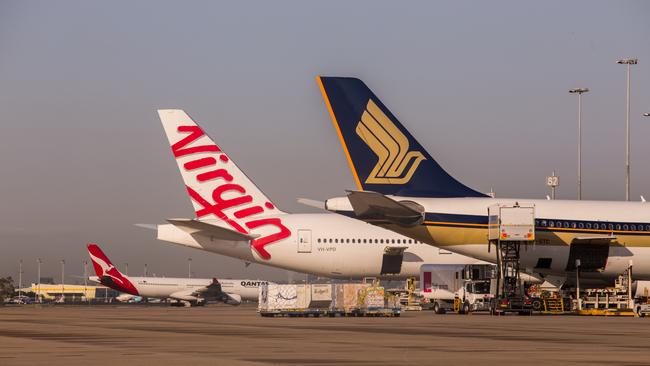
pixel 460 225
pixel 327 245
pixel 169 287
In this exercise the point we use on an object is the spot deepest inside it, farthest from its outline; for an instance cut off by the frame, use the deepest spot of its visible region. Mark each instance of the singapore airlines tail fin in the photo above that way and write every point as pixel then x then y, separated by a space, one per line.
pixel 383 155
pixel 220 192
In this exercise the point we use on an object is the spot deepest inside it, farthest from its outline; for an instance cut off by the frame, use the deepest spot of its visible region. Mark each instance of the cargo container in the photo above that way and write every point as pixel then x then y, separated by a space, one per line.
pixel 349 299
pixel 284 297
pixel 321 296
pixel 347 296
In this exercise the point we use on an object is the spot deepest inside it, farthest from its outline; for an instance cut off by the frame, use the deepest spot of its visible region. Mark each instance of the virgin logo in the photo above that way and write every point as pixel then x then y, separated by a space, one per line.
pixel 217 204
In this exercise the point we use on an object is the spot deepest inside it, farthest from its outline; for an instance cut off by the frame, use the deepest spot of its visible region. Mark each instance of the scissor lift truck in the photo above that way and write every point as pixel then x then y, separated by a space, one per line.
pixel 509 226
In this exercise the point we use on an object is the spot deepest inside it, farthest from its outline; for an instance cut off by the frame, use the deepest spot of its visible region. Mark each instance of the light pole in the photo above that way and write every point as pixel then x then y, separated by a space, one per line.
pixel 189 267
pixel 579 91
pixel 38 274
pixel 63 280
pixel 20 279
pixel 86 280
pixel 627 62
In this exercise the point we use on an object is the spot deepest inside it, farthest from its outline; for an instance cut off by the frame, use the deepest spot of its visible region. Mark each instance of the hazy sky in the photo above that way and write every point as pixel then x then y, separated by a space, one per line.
pixel 483 85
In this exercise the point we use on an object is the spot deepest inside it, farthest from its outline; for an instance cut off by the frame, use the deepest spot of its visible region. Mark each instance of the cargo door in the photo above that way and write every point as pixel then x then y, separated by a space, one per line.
pixel 304 241
pixel 592 252
pixel 392 260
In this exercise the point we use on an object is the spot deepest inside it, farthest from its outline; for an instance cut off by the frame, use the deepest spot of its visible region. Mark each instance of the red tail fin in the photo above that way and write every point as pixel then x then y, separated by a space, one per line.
pixel 101 263
pixel 107 273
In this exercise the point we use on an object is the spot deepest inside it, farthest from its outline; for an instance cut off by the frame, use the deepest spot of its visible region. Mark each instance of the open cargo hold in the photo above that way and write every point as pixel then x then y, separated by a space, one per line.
pixel 349 299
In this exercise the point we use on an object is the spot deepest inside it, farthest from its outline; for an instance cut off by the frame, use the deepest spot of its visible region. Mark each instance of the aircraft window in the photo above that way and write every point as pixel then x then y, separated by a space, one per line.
pixel 618 226
pixel 381 241
pixel 611 226
pixel 551 224
pixel 558 224
pixel 573 225
pixel 625 227
pixel 330 241
pixel 376 241
pixel 347 241
pixel 353 241
pixel 336 241
pixel 392 241
pixel 647 228
pixel 543 222
pixel 633 227
pixel 319 240
pixel 603 226
pixel 364 241
pixel 581 225
pixel 588 225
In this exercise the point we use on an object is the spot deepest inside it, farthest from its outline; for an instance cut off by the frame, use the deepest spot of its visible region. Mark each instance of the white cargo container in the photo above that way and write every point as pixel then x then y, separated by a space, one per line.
pixel 511 222
pixel 283 297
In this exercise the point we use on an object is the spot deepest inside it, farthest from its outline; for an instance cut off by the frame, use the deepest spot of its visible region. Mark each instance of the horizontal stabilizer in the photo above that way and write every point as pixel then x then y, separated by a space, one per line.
pixel 374 207
pixel 192 226
pixel 312 203
pixel 147 226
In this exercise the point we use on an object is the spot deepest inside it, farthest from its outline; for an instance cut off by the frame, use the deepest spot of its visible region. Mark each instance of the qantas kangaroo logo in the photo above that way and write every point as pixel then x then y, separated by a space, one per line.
pixel 390 145
pixel 108 273
pixel 216 204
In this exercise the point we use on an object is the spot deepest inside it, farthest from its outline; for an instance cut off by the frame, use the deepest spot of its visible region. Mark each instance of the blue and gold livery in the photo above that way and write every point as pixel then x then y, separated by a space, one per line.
pixel 383 155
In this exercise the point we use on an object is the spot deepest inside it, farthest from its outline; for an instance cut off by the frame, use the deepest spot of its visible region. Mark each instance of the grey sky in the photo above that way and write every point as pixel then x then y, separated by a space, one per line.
pixel 483 85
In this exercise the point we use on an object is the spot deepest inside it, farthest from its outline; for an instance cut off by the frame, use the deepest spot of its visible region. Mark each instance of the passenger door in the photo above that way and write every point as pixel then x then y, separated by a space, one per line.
pixel 304 241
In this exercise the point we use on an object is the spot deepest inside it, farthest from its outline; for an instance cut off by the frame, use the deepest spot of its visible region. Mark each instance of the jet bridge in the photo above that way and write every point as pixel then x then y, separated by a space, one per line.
pixel 508 227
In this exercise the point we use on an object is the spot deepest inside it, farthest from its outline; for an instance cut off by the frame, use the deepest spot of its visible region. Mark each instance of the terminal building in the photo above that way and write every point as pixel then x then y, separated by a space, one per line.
pixel 72 293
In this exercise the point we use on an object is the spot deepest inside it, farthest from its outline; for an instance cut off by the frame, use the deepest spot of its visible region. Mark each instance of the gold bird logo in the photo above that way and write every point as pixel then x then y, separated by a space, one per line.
pixel 390 145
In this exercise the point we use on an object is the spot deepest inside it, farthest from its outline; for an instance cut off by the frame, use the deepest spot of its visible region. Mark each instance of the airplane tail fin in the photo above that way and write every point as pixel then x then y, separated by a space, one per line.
pixel 209 174
pixel 383 155
pixel 101 263
pixel 221 193
pixel 107 273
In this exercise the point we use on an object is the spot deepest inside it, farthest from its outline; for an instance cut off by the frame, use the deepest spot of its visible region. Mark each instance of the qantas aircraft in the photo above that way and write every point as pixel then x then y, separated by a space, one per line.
pixel 402 188
pixel 188 291
pixel 234 218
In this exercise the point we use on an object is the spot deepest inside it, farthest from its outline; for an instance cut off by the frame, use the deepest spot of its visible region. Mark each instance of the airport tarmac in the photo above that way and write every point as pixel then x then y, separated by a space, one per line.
pixel 225 335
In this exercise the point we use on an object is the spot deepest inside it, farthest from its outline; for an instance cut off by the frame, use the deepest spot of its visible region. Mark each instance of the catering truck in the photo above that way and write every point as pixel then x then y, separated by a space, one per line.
pixel 457 288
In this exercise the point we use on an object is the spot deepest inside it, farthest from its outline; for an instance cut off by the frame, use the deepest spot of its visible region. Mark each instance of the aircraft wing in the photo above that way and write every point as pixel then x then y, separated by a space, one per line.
pixel 374 207
pixel 193 226
pixel 210 292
